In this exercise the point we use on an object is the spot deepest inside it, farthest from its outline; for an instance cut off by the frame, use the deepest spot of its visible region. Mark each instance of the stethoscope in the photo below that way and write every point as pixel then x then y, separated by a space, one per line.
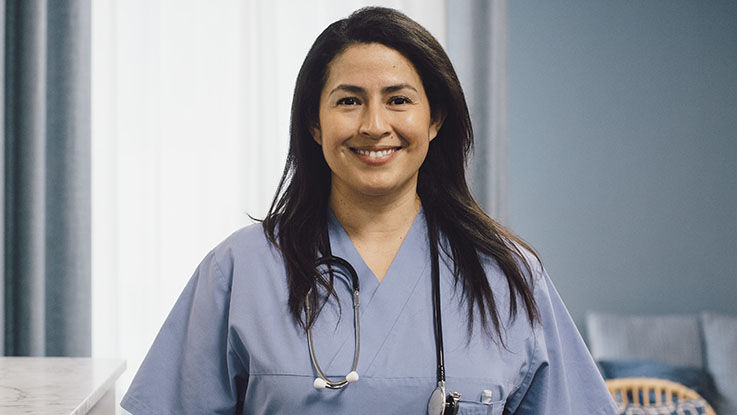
pixel 439 403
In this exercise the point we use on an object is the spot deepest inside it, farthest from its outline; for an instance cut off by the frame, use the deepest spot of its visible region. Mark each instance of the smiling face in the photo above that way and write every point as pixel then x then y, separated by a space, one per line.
pixel 375 123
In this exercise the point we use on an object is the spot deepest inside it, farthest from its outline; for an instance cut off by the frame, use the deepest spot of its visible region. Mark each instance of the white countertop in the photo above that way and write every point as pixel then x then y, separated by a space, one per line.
pixel 55 385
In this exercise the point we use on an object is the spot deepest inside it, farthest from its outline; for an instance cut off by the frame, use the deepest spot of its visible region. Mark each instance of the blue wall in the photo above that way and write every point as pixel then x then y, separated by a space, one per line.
pixel 623 150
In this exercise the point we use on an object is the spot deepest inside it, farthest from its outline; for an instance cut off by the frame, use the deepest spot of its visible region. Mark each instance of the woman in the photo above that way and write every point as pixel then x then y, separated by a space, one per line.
pixel 455 314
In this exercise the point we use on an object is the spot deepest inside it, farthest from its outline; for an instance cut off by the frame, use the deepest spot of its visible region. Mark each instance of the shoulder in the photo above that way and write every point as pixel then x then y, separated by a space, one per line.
pixel 527 262
pixel 245 246
pixel 250 238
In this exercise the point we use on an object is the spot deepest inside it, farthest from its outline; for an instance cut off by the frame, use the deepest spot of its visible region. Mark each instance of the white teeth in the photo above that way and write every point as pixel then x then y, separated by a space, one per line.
pixel 376 154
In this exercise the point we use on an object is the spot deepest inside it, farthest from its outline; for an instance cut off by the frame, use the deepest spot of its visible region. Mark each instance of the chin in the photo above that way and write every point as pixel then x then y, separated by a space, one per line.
pixel 378 191
pixel 378 185
pixel 382 189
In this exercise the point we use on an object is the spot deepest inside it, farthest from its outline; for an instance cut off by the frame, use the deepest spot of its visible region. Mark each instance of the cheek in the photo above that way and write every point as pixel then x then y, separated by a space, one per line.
pixel 336 133
pixel 415 129
pixel 332 146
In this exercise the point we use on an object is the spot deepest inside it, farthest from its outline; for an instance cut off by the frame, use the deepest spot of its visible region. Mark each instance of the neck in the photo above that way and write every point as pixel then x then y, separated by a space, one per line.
pixel 365 216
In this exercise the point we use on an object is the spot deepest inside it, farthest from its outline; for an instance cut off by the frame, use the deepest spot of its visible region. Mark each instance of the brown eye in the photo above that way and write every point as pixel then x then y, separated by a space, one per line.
pixel 399 100
pixel 348 101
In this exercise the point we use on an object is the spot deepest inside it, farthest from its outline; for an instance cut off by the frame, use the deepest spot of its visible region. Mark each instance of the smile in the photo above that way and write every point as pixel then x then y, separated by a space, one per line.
pixel 376 154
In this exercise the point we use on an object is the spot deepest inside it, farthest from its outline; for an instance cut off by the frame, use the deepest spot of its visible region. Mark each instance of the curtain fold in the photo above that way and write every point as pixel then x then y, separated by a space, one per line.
pixel 477 44
pixel 46 252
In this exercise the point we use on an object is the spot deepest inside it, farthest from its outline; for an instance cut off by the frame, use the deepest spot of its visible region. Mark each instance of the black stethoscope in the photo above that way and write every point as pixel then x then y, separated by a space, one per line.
pixel 439 403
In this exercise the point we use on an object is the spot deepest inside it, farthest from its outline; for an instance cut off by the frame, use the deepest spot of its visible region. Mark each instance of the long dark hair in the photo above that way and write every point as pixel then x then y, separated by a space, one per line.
pixel 298 218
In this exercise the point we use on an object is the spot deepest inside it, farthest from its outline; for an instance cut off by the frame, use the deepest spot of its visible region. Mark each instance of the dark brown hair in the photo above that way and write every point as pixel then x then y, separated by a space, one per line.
pixel 298 218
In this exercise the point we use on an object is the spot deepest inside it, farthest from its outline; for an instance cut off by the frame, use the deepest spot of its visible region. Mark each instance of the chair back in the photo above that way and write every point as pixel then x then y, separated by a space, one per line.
pixel 652 392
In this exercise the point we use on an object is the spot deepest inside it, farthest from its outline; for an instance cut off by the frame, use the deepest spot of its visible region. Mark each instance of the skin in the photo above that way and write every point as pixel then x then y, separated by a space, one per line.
pixel 374 101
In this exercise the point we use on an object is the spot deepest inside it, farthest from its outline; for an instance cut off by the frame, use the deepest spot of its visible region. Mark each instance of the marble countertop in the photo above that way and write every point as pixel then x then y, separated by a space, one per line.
pixel 55 385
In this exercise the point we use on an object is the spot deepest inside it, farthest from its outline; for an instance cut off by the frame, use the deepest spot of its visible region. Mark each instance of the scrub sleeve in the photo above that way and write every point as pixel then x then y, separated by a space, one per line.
pixel 562 376
pixel 186 371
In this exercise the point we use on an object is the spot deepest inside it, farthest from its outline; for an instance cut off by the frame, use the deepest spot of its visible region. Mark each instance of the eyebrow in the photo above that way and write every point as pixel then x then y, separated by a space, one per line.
pixel 359 90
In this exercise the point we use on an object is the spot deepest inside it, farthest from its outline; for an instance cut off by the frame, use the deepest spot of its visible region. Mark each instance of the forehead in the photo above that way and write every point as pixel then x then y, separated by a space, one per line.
pixel 371 63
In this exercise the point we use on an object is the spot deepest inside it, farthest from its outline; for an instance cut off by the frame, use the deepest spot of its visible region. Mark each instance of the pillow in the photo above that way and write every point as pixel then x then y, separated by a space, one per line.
pixel 691 377
pixel 720 338
pixel 674 339
pixel 691 407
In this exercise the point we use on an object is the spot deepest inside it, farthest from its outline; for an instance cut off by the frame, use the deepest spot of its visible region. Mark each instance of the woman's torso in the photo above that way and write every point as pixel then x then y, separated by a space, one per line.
pixel 397 363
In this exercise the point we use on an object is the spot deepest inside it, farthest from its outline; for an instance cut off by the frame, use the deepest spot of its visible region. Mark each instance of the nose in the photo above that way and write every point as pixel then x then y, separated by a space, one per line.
pixel 373 122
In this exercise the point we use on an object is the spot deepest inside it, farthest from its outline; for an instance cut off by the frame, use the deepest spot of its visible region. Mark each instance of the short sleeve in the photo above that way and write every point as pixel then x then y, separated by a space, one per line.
pixel 191 368
pixel 562 377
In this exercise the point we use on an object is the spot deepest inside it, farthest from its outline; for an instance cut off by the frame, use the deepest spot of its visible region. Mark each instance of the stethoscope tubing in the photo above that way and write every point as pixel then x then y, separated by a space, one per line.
pixel 437 314
pixel 327 260
pixel 439 405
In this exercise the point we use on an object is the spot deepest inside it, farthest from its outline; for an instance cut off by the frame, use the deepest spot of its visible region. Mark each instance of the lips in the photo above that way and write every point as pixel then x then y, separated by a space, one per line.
pixel 375 153
pixel 375 156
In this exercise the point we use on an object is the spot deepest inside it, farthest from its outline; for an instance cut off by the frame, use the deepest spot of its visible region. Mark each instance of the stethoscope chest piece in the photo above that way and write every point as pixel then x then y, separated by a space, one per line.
pixel 442 404
pixel 436 404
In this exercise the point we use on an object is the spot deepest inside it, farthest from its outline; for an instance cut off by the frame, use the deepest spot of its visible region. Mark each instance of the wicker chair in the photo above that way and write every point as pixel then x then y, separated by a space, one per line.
pixel 665 391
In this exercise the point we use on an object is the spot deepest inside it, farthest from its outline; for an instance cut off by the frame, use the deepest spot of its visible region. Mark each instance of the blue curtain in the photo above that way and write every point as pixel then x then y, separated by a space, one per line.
pixel 45 119
pixel 477 44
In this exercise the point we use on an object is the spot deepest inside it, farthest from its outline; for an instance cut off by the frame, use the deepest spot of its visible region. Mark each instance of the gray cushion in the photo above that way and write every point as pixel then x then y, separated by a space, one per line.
pixel 720 337
pixel 673 339
pixel 691 407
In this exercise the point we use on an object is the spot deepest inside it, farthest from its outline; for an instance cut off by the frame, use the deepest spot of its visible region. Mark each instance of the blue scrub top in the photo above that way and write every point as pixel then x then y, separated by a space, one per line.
pixel 230 336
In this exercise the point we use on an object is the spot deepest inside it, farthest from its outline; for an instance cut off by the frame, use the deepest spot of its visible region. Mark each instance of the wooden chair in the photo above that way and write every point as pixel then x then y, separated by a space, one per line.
pixel 665 391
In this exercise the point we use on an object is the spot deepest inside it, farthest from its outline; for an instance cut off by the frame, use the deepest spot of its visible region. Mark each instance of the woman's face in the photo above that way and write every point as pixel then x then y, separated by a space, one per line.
pixel 375 122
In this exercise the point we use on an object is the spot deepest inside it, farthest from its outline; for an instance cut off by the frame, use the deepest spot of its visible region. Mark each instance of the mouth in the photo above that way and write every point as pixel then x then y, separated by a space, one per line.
pixel 375 153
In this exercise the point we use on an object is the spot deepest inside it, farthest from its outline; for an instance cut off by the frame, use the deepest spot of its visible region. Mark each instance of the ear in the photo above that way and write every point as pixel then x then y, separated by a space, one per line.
pixel 435 123
pixel 316 134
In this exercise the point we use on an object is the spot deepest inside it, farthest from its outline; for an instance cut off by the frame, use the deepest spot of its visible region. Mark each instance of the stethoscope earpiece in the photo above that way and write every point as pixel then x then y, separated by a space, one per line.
pixel 320 383
pixel 351 377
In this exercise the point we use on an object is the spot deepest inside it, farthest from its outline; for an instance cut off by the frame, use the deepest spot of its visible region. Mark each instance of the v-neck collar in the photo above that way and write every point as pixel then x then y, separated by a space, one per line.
pixel 381 303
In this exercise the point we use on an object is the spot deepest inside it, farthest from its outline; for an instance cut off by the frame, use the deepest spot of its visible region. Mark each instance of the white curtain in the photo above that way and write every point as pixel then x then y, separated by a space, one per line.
pixel 190 127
